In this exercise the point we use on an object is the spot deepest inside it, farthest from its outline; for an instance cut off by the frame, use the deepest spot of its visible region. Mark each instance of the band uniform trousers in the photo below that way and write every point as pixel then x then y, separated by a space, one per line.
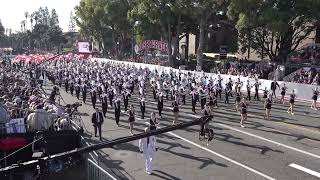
pixel 184 99
pixel 104 105
pixel 78 92
pixel 84 95
pixel 160 106
pixel 117 112
pixel 203 102
pixel 194 102
pixel 94 100
pixel 248 95
pixel 143 109
pixel 71 89
pixel 256 95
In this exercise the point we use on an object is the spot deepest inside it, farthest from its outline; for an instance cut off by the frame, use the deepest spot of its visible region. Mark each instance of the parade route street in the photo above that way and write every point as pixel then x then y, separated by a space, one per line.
pixel 285 148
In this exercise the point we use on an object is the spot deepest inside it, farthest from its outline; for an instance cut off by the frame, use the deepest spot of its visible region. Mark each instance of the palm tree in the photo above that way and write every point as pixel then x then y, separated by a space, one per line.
pixel 23 25
pixel 31 20
pixel 26 15
pixel 36 18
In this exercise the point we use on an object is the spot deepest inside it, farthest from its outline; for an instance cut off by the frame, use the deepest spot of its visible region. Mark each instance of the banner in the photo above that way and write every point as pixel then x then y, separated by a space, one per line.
pixel 84 47
pixel 154 44
pixel 16 126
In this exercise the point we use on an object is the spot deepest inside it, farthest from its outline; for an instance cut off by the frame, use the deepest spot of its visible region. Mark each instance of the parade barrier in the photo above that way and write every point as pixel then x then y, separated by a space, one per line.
pixel 303 92
pixel 95 172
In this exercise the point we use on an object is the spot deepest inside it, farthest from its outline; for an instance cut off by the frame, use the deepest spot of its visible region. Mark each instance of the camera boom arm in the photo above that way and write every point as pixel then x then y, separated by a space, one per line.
pixel 102 145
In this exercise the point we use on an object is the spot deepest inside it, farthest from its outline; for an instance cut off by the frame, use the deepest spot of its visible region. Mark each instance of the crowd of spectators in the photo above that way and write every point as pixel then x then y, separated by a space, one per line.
pixel 307 54
pixel 157 60
pixel 307 76
pixel 22 98
pixel 250 70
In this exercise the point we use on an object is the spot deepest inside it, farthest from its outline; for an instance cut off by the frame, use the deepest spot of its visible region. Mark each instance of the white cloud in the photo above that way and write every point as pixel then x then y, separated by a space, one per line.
pixel 12 11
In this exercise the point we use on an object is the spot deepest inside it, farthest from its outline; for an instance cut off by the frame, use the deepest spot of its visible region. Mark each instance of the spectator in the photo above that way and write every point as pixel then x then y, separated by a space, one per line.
pixel 39 120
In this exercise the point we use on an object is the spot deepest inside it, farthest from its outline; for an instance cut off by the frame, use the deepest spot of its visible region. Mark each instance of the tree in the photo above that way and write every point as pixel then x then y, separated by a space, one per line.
pixel 105 20
pixel 274 27
pixel 53 19
pixel 26 15
pixel 45 35
pixel 165 15
pixel 2 33
pixel 2 30
pixel 72 23
pixel 201 12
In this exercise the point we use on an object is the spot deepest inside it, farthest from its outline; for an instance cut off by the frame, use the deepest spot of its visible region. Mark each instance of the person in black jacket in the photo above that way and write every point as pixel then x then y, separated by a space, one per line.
pixel 256 90
pixel 97 121
pixel 273 88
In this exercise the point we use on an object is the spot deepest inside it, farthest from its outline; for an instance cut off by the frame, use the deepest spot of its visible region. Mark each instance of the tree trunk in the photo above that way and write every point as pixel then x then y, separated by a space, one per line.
pixel 171 60
pixel 317 32
pixel 285 46
pixel 249 43
pixel 176 39
pixel 201 41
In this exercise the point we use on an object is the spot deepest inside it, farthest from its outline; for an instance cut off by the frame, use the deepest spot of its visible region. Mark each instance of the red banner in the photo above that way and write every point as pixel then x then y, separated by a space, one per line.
pixel 154 44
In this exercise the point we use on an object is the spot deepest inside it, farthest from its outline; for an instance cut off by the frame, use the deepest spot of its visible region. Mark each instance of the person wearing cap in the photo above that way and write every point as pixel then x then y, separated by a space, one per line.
pixel 147 146
pixel 97 121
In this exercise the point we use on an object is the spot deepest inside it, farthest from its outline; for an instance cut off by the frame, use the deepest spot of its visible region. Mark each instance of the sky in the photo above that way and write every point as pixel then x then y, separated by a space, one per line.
pixel 12 11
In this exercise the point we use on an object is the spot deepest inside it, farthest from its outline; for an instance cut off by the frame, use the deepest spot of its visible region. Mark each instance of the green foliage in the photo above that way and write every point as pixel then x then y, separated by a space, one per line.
pixel 274 27
pixel 2 30
pixel 105 21
pixel 45 34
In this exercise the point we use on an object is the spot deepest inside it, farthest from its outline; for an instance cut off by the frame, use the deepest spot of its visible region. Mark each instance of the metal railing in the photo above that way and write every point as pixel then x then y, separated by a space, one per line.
pixel 289 77
pixel 95 172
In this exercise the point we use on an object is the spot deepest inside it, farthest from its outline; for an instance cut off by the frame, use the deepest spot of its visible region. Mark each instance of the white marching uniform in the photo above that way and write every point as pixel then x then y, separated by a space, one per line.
pixel 149 150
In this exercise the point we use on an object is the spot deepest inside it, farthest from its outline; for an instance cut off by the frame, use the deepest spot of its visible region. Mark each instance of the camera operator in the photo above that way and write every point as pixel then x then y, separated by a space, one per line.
pixel 54 93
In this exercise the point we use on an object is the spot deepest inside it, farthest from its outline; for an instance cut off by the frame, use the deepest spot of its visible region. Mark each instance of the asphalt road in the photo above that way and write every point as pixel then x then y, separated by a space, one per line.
pixel 287 147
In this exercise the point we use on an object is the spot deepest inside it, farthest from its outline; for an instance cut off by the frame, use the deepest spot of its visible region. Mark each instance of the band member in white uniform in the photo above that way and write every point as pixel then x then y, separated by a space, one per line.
pixel 148 146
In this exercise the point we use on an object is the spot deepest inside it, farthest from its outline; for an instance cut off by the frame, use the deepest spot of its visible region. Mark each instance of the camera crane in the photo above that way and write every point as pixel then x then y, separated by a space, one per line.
pixel 43 162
